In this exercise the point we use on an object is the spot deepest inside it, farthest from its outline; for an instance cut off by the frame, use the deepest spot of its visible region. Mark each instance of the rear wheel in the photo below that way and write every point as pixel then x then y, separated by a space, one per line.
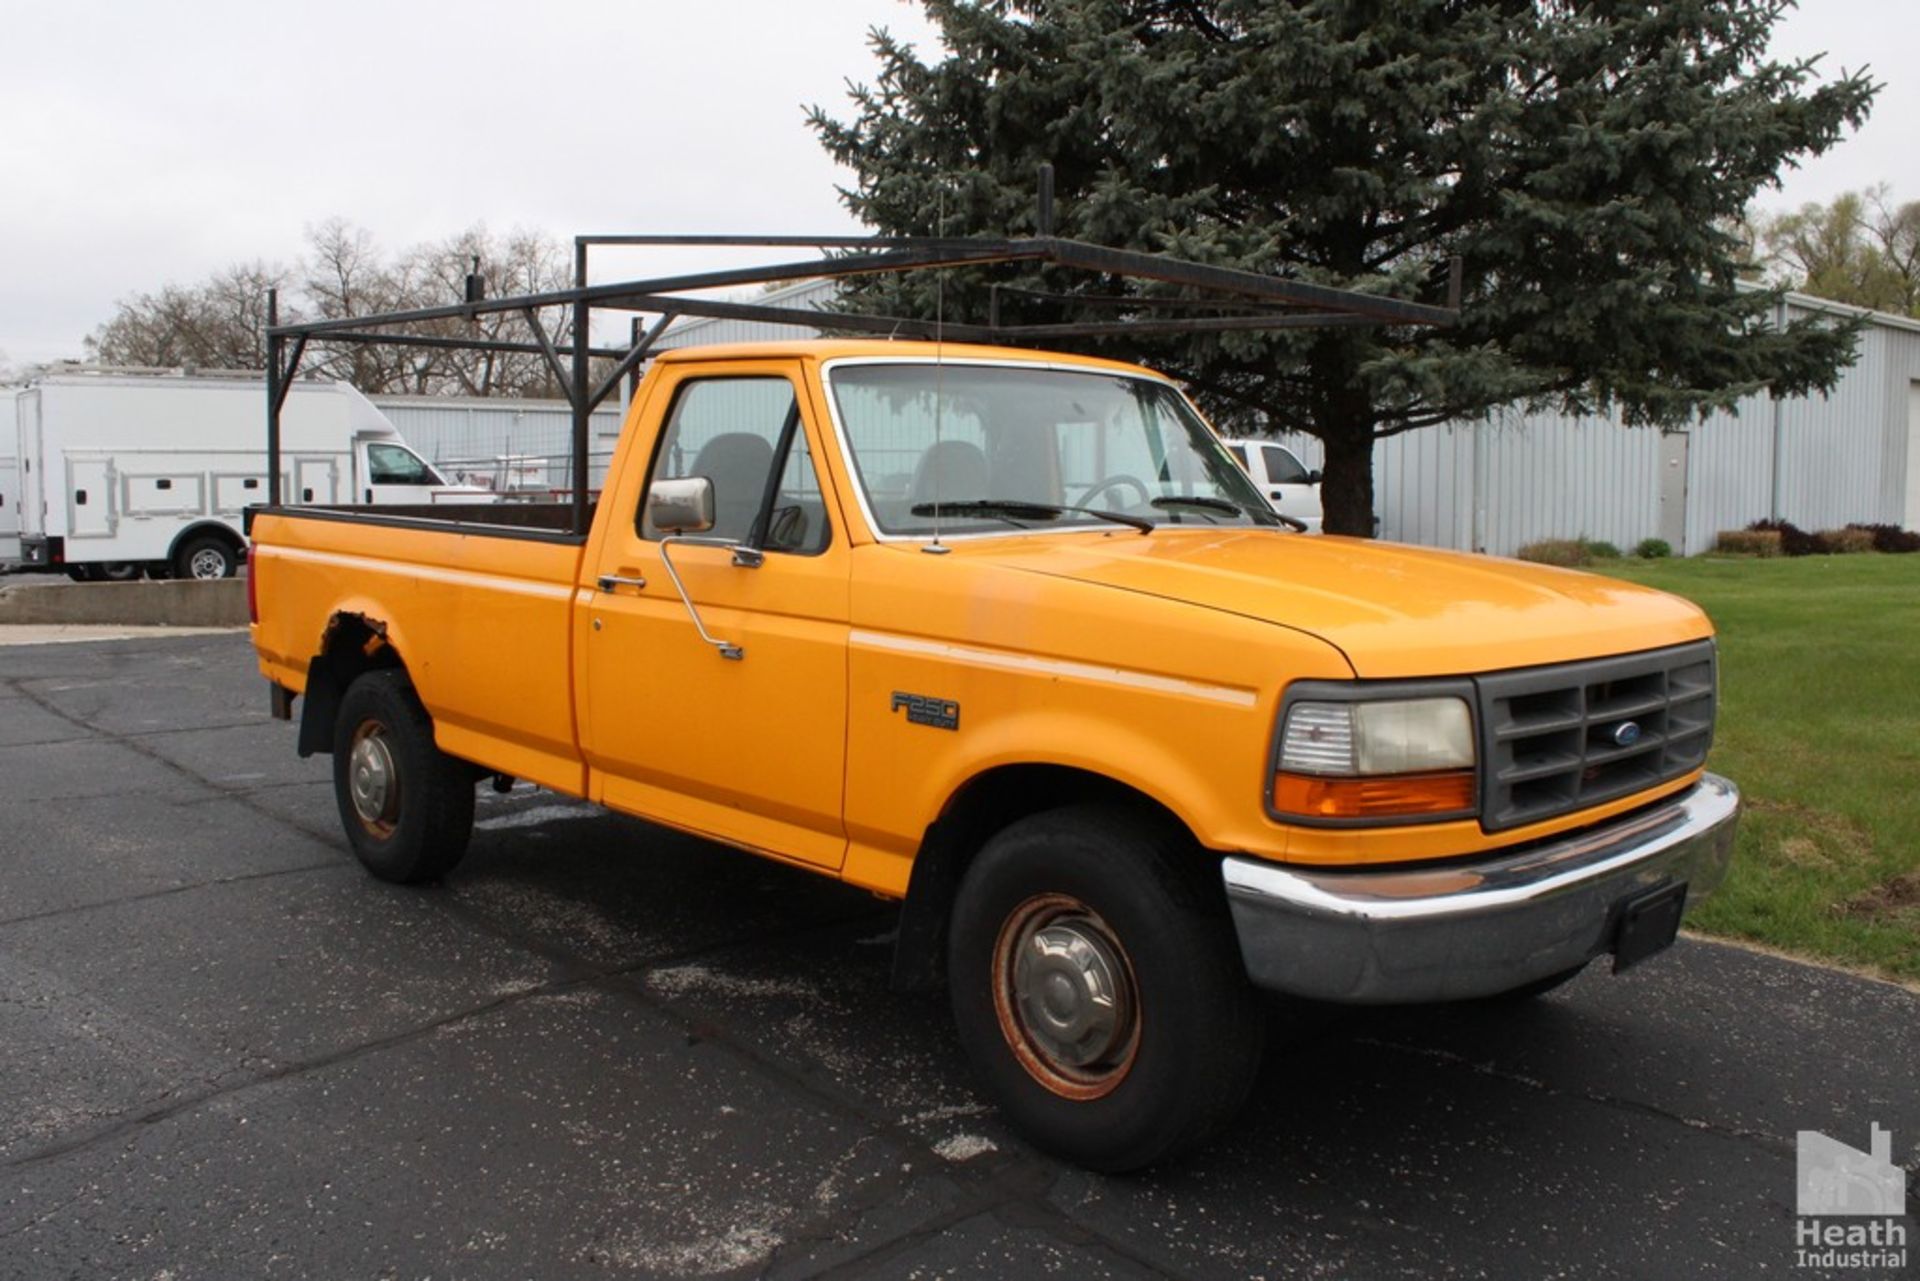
pixel 207 556
pixel 1097 989
pixel 407 807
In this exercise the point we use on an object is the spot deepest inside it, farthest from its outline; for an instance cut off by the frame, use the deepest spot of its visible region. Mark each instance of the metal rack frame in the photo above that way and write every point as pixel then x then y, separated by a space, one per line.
pixel 1256 301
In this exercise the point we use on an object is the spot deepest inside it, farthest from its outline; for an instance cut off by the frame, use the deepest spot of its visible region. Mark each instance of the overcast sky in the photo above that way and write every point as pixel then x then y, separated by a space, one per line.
pixel 146 143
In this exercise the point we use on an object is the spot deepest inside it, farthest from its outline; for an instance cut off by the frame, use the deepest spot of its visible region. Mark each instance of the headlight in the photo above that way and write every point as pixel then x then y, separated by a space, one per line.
pixel 1376 758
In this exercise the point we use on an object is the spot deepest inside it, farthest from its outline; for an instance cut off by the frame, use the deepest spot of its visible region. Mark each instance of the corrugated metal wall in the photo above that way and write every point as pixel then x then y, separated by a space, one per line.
pixel 707 331
pixel 471 433
pixel 1521 477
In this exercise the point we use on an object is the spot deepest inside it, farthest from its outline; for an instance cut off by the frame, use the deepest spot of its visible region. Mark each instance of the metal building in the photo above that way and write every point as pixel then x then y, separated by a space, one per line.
pixel 1818 461
pixel 501 442
pixel 1494 486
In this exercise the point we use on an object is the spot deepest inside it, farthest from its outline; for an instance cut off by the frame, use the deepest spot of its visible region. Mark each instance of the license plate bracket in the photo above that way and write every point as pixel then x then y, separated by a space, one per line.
pixel 1649 923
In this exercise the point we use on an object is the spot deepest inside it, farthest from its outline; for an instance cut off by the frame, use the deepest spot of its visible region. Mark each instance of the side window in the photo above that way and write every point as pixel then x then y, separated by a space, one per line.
pixel 741 433
pixel 1239 453
pixel 1282 467
pixel 393 465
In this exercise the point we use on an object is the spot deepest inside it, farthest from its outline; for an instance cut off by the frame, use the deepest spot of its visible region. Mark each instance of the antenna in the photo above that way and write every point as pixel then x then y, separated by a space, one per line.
pixel 936 547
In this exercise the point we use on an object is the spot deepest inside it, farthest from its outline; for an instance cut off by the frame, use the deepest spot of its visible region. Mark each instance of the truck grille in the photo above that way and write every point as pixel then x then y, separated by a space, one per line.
pixel 1561 738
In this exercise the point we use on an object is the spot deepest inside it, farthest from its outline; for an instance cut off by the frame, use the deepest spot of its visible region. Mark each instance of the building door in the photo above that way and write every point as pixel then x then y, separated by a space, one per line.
pixel 1673 490
pixel 1912 520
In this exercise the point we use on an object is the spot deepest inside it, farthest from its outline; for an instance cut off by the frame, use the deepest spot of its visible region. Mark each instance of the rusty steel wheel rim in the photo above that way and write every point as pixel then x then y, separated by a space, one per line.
pixel 373 779
pixel 1066 998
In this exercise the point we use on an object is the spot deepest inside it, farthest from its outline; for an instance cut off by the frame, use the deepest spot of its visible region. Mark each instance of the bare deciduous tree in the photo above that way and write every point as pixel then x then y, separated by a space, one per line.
pixel 220 323
pixel 217 324
pixel 1862 249
pixel 522 262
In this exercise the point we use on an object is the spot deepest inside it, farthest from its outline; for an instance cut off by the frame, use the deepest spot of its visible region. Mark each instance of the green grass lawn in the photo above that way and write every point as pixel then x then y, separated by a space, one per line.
pixel 1820 727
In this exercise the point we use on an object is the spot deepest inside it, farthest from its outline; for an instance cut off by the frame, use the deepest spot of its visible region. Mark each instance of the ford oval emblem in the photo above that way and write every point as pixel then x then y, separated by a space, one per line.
pixel 1626 733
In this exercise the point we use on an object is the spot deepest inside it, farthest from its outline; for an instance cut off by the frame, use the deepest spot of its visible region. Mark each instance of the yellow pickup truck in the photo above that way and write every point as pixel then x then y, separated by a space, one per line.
pixel 1006 635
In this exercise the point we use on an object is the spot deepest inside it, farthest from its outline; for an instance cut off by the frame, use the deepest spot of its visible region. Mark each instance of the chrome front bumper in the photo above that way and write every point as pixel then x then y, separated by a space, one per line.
pixel 1448 931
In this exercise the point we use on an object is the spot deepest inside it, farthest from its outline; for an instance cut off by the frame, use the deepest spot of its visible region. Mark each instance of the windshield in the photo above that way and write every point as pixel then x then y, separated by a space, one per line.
pixel 927 439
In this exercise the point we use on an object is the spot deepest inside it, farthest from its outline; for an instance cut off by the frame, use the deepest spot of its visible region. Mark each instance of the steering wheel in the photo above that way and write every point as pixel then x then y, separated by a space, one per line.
pixel 1116 481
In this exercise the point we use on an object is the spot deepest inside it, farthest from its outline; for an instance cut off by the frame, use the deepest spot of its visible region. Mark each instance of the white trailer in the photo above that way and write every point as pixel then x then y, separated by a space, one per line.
pixel 9 487
pixel 124 471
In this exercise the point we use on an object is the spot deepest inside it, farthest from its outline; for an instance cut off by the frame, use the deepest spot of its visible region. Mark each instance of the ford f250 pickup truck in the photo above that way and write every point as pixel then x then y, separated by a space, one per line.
pixel 1007 636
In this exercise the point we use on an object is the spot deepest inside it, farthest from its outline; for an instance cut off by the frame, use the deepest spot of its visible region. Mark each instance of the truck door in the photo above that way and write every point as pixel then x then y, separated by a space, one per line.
pixel 89 499
pixel 748 743
pixel 392 473
pixel 314 480
pixel 33 472
pixel 1287 485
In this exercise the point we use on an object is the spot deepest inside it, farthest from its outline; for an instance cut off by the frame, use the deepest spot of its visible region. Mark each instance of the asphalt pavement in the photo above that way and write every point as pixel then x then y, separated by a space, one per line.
pixel 603 1050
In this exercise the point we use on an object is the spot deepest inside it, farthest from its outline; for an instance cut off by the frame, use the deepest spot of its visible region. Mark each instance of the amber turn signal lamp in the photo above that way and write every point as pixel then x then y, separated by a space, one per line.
pixel 1382 796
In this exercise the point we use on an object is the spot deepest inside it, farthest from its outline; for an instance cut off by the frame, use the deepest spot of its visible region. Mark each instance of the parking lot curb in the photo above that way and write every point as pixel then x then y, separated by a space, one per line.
pixel 220 603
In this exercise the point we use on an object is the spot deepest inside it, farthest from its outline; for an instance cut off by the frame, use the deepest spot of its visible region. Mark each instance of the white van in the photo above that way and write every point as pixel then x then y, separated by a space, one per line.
pixel 1289 486
pixel 125 471
pixel 9 487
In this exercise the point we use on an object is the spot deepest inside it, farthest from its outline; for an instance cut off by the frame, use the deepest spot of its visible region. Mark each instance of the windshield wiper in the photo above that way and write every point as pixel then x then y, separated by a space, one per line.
pixel 1210 503
pixel 1007 508
pixel 1202 501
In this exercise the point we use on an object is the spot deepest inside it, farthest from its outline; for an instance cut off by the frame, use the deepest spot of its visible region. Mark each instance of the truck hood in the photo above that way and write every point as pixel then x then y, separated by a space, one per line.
pixel 1393 610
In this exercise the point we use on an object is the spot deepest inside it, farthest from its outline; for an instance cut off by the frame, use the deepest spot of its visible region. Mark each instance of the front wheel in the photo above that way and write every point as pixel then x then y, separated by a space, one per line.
pixel 407 807
pixel 1097 989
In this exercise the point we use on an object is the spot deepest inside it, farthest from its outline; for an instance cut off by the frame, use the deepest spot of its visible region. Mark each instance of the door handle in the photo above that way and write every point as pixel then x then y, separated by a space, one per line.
pixel 610 581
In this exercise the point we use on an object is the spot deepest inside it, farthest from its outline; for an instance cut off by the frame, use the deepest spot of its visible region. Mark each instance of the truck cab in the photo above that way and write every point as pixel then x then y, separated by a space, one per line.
pixel 1292 488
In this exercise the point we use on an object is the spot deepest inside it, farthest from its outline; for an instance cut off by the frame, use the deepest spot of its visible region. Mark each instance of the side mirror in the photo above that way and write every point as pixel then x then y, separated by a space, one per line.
pixel 681 506
pixel 1313 477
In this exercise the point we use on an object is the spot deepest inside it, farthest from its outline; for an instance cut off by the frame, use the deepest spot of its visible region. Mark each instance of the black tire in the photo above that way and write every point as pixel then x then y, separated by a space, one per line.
pixel 407 807
pixel 206 556
pixel 119 571
pixel 1122 901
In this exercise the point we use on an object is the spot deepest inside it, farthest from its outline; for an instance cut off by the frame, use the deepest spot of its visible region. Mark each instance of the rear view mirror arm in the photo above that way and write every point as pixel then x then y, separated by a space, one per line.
pixel 742 555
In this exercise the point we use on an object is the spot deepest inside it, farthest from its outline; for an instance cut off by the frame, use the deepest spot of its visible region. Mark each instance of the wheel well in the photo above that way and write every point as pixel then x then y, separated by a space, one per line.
pixel 205 529
pixel 984 805
pixel 352 645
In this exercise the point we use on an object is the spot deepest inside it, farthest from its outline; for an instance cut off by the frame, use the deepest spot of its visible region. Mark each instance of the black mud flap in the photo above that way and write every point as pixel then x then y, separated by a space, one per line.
pixel 1649 922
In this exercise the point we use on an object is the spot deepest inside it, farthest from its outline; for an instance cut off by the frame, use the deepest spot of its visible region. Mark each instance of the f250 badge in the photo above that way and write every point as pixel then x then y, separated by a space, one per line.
pixel 923 709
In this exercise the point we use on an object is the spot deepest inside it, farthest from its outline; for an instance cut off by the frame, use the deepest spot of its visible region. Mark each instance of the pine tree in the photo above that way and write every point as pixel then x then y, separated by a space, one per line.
pixel 1585 158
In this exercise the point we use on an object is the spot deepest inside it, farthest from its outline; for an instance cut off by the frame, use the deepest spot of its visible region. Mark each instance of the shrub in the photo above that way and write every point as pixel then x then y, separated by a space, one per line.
pixel 1794 541
pixel 1891 538
pixel 1748 542
pixel 1653 549
pixel 1844 542
pixel 1564 552
pixel 1601 550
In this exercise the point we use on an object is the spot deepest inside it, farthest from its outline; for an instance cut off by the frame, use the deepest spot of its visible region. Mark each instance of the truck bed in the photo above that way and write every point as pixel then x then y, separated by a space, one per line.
pixel 479 597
